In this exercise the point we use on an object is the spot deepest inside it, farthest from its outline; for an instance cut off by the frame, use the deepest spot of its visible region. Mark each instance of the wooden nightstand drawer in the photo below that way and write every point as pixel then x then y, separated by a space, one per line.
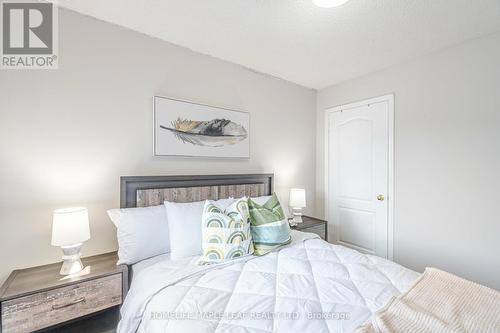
pixel 47 308
pixel 318 230
pixel 313 225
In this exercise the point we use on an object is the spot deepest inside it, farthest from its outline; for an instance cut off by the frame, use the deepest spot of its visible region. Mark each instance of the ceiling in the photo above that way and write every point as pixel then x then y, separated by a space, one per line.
pixel 299 42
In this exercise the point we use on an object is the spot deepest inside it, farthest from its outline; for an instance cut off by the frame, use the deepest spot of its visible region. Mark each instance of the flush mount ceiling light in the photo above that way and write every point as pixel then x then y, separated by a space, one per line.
pixel 329 3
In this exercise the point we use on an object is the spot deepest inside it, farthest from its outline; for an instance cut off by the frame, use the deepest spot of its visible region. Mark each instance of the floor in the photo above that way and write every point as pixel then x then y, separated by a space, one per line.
pixel 104 322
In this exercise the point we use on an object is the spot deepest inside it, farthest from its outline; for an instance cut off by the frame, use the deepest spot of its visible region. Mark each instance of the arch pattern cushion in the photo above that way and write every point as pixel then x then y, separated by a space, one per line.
pixel 225 233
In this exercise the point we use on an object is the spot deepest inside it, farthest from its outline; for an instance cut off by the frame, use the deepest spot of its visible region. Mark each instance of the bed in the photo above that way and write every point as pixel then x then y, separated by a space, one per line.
pixel 308 285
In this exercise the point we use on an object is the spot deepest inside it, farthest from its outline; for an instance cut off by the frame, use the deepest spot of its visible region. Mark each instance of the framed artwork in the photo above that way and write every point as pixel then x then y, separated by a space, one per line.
pixel 183 128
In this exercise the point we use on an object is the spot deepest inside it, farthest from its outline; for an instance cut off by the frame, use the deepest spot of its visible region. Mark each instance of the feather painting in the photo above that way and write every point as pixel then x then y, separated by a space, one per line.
pixel 183 128
pixel 211 133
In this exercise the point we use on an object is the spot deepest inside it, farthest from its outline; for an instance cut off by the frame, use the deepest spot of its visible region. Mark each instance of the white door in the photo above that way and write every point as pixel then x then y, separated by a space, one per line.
pixel 358 175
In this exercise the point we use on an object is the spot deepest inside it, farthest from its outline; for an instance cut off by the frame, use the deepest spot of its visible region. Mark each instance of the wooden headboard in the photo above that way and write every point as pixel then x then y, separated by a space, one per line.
pixel 143 191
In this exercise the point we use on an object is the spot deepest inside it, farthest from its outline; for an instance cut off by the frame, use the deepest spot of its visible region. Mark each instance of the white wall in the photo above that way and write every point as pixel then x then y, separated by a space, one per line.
pixel 66 136
pixel 447 156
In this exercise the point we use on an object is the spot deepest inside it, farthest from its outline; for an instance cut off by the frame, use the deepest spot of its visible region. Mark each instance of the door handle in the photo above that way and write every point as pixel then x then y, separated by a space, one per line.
pixel 380 197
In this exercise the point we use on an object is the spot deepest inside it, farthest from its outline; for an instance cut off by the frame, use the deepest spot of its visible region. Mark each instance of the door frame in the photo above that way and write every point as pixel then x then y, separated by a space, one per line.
pixel 389 98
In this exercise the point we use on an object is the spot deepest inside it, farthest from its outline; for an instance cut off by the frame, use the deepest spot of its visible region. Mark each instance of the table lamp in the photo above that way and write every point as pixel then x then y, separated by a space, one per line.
pixel 70 228
pixel 297 202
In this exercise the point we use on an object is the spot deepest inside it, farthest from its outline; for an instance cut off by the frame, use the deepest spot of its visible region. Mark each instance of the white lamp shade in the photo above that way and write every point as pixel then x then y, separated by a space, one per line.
pixel 70 226
pixel 297 198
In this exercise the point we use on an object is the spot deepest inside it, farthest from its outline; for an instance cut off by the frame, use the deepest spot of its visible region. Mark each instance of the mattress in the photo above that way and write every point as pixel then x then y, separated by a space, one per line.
pixel 307 286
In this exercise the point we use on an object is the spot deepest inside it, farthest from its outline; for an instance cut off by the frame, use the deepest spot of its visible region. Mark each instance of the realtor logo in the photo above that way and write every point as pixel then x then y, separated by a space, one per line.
pixel 29 35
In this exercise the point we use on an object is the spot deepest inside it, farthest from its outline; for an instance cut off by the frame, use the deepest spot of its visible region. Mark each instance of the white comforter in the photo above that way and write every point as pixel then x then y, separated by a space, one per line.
pixel 308 286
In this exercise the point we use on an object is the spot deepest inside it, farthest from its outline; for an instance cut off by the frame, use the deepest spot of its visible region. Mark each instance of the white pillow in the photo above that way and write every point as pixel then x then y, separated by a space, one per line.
pixel 142 233
pixel 261 200
pixel 184 224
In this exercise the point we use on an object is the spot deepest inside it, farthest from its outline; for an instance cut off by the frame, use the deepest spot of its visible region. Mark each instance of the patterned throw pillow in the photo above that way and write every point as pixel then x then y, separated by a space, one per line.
pixel 269 225
pixel 226 233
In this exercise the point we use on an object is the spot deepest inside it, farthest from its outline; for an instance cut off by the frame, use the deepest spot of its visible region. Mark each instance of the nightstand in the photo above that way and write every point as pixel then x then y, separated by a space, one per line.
pixel 314 225
pixel 36 298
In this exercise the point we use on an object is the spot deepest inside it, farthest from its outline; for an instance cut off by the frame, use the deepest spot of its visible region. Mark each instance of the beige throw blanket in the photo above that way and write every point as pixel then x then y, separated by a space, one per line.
pixel 439 302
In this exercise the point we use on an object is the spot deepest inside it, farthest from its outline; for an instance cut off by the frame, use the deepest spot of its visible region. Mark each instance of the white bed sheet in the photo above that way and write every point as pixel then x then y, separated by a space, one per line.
pixel 143 264
pixel 308 286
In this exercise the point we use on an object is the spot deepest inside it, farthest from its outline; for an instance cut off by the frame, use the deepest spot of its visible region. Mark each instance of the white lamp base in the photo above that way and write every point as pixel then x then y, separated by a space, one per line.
pixel 71 259
pixel 297 216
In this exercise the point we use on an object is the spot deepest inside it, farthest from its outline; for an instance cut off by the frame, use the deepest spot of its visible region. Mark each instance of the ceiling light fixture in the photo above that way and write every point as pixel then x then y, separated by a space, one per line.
pixel 329 3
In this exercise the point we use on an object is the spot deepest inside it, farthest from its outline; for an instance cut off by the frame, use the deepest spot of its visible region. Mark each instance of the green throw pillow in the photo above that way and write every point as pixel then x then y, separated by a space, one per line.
pixel 269 225
pixel 225 233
